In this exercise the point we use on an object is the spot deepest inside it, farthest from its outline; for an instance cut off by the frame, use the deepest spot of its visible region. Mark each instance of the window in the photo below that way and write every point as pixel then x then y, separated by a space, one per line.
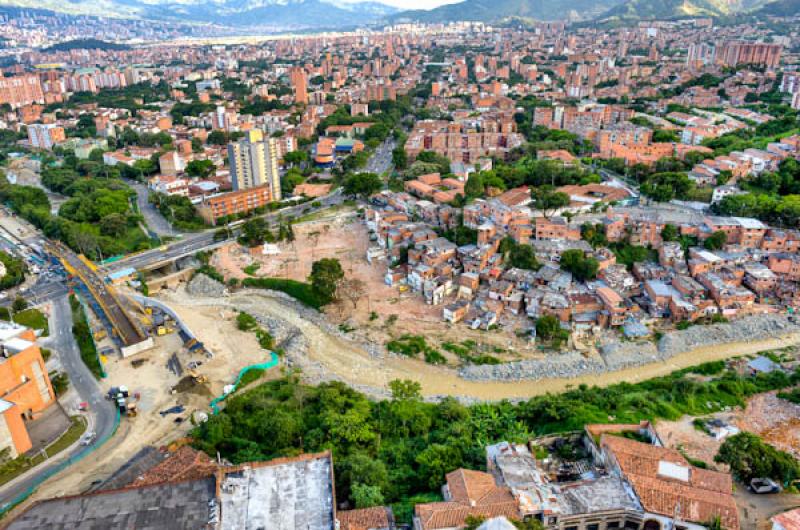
pixel 612 524
pixel 594 526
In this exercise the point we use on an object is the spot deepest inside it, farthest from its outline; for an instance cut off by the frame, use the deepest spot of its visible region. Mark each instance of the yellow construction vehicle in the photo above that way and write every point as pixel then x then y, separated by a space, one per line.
pixel 198 378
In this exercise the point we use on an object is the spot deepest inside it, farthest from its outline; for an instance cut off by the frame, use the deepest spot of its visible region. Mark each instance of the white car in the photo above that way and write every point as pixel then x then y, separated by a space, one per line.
pixel 88 438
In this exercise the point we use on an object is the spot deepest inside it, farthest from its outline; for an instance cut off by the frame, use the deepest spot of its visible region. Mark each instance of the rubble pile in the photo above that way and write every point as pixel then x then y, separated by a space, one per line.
pixel 202 285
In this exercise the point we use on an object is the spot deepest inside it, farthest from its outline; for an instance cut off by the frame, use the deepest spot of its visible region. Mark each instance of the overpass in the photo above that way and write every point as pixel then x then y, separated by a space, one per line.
pixel 200 241
pixel 125 327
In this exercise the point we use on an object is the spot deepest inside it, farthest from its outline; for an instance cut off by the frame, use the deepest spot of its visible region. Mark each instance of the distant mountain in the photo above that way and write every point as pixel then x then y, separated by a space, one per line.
pixel 664 9
pixel 780 8
pixel 265 13
pixel 497 10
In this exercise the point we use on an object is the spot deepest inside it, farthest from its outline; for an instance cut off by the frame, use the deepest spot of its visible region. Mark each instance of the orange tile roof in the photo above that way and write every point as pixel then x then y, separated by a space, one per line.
pixel 707 494
pixel 184 464
pixel 788 520
pixel 472 493
pixel 365 519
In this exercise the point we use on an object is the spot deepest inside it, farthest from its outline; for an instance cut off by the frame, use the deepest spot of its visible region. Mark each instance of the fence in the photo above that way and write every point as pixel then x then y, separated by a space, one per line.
pixel 58 469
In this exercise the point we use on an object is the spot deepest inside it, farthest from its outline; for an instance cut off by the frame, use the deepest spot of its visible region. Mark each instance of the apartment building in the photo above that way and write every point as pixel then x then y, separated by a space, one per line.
pixel 254 162
pixel 20 90
pixel 45 136
pixel 234 203
pixel 734 53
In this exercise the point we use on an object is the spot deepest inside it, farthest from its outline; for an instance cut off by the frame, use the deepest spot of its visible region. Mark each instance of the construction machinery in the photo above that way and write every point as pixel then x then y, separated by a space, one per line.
pixel 198 378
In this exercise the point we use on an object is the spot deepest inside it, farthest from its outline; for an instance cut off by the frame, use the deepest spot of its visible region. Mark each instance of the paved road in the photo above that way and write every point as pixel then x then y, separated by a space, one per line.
pixel 193 243
pixel 381 159
pixel 103 415
pixel 155 221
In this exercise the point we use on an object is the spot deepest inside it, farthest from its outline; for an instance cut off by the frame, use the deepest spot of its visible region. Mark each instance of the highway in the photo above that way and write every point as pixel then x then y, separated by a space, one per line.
pixel 102 414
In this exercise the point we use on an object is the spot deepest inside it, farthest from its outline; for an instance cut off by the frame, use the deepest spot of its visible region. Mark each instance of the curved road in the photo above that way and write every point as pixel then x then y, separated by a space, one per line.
pixel 102 412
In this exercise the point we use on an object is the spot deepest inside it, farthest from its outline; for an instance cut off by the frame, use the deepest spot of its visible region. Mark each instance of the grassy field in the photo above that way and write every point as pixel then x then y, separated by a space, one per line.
pixel 33 318
pixel 14 468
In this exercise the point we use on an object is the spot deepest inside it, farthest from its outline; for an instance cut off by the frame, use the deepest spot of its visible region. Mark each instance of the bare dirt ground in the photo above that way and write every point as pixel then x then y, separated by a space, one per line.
pixel 683 436
pixel 776 420
pixel 154 382
pixel 345 238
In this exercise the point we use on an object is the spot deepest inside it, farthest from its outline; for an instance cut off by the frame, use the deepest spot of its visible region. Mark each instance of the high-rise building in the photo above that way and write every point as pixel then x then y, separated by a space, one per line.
pixel 702 53
pixel 20 90
pixel 733 53
pixel 300 85
pixel 254 162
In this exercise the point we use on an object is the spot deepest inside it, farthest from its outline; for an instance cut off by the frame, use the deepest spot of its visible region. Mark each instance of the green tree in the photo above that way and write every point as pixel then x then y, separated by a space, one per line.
pixel 716 240
pixel 326 274
pixel 114 225
pixel 200 168
pixel 435 461
pixel 582 268
pixel 217 137
pixel 547 327
pixel 19 304
pixel 295 157
pixel 399 158
pixel 197 145
pixel 365 496
pixel 547 199
pixel 442 162
pixel 669 233
pixel 523 257
pixel 405 389
pixel 362 184
pixel 750 457
pixel 255 232
pixel 474 187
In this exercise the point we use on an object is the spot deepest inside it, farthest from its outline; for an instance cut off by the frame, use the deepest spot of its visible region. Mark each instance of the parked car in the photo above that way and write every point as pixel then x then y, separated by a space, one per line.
pixel 764 485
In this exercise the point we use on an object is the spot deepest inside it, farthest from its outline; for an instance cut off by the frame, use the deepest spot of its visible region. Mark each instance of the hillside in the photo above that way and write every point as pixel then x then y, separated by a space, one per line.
pixel 664 9
pixel 780 8
pixel 274 14
pixel 492 11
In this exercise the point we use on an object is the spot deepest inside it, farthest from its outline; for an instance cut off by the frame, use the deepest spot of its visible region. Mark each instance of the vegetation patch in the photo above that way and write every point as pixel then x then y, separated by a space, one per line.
pixel 15 271
pixel 83 336
pixel 301 291
pixel 404 446
pixel 11 469
pixel 33 318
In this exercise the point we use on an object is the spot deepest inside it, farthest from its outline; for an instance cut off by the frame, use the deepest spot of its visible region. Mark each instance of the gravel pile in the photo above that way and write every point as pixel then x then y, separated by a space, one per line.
pixel 620 355
pixel 570 364
pixel 747 329
pixel 202 285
